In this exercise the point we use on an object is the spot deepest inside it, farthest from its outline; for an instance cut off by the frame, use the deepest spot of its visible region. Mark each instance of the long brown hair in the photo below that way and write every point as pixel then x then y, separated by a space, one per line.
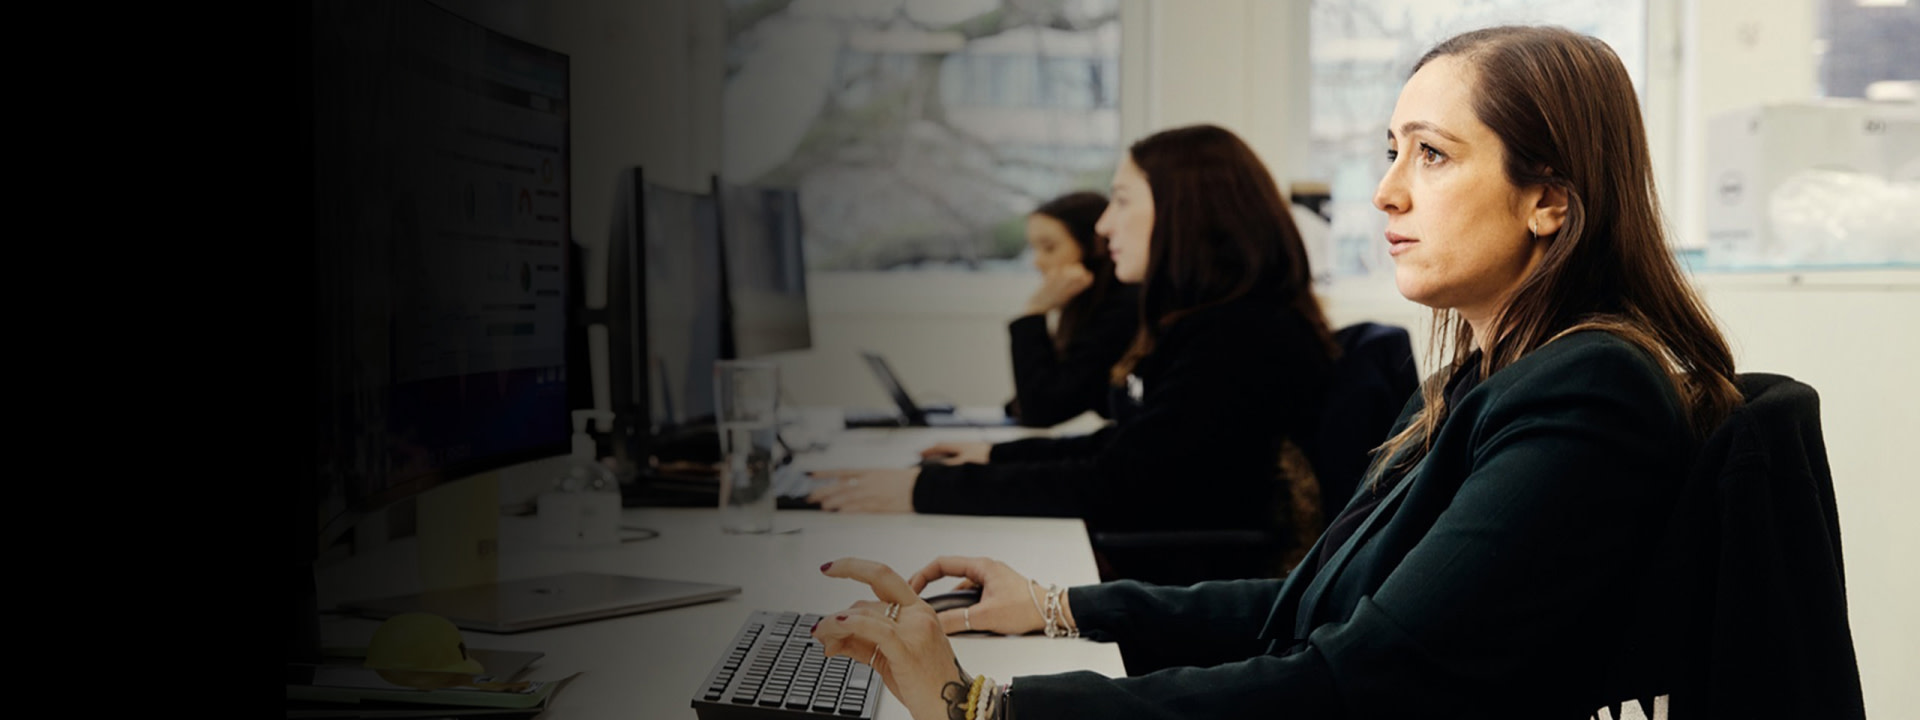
pixel 1220 231
pixel 1567 117
pixel 1078 212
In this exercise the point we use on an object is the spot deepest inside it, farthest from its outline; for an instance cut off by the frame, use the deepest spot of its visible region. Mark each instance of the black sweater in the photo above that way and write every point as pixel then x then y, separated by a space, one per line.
pixel 1222 389
pixel 1052 387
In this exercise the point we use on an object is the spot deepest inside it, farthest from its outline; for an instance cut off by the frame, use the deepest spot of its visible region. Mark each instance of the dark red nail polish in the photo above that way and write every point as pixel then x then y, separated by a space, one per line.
pixel 823 568
pixel 840 617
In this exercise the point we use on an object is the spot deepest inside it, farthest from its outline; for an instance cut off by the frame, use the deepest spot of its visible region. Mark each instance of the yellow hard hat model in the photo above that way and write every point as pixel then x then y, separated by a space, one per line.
pixel 421 642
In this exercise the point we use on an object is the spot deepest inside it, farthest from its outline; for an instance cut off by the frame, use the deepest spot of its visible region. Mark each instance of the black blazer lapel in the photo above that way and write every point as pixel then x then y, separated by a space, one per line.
pixel 1301 596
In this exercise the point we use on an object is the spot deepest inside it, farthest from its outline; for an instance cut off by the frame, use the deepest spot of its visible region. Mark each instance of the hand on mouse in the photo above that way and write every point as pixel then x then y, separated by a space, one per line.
pixel 959 453
pixel 1006 606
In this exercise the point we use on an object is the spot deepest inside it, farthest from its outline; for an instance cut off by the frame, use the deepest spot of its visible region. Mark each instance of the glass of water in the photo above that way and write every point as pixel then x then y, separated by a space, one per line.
pixel 747 409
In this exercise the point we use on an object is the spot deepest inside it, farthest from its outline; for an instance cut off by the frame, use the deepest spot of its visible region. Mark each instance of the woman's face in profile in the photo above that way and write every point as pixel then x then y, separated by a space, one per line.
pixel 1128 222
pixel 1456 226
pixel 1053 247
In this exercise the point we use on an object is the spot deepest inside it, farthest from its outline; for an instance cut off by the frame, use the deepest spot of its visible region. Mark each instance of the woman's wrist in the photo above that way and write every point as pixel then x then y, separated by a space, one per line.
pixel 1055 617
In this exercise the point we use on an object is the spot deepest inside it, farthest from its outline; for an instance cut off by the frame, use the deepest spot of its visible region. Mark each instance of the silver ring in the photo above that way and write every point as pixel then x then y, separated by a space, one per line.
pixel 893 611
pixel 874 656
pixel 966 614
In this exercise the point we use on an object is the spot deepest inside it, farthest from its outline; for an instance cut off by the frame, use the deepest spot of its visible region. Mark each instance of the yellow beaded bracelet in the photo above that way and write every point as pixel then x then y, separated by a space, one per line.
pixel 973 694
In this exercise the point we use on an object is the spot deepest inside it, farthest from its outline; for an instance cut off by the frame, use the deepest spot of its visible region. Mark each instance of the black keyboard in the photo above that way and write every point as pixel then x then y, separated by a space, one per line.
pixel 775 669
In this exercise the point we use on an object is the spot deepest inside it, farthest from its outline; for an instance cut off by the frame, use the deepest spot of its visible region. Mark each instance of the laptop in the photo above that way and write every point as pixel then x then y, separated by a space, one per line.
pixel 518 605
pixel 913 414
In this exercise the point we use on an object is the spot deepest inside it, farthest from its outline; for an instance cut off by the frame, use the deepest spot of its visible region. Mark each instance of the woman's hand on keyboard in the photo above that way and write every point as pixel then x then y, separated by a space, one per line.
pixel 909 651
pixel 880 490
pixel 959 453
pixel 1007 599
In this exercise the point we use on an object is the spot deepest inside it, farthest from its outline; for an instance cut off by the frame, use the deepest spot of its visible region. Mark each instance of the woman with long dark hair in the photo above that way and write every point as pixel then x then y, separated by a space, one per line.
pixel 1062 372
pixel 1227 364
pixel 1478 570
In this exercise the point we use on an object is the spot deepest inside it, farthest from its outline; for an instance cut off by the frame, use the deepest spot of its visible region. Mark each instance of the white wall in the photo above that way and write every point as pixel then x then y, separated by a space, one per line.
pixel 1239 64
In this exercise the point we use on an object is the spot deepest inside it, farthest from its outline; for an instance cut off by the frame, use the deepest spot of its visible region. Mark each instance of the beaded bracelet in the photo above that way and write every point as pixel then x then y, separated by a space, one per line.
pixel 1053 613
pixel 1056 616
pixel 973 695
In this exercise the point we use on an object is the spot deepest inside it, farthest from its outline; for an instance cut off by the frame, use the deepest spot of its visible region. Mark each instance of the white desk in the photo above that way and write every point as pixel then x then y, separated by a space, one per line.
pixel 897 447
pixel 649 665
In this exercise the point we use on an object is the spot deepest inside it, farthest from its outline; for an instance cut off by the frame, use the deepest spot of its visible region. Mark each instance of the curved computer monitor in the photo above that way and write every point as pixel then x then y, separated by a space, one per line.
pixel 443 213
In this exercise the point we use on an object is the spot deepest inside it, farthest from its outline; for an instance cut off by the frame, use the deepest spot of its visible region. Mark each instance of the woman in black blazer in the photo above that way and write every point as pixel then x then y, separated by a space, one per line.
pixel 1478 570
pixel 1063 372
pixel 1227 364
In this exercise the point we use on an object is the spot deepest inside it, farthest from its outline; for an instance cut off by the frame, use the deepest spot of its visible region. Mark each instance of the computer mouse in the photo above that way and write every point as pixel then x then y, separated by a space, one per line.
pixel 954 600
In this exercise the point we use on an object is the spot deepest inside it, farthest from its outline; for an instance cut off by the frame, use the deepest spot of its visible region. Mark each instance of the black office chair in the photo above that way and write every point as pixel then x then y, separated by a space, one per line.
pixel 1366 389
pixel 1369 387
pixel 1744 613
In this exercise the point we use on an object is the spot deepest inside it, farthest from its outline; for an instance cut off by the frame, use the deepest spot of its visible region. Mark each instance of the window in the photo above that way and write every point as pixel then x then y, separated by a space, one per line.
pixel 1863 42
pixel 921 133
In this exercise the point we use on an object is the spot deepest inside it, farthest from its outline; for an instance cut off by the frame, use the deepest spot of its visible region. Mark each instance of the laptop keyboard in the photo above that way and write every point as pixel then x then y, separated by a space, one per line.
pixel 775 669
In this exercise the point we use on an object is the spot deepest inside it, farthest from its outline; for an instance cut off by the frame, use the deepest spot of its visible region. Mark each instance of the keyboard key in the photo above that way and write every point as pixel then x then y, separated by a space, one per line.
pixel 774 663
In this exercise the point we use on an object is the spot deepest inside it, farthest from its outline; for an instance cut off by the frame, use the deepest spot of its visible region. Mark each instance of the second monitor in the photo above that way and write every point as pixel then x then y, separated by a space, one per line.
pixel 696 278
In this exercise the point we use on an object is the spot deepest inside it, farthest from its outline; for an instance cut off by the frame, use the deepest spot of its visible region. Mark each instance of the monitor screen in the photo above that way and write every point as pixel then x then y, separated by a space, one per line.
pixel 442 225
pixel 684 313
pixel 766 272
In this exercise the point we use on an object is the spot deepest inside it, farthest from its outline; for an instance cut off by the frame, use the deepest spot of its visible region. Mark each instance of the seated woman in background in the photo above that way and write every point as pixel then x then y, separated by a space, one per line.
pixel 1228 363
pixel 1479 573
pixel 1059 374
